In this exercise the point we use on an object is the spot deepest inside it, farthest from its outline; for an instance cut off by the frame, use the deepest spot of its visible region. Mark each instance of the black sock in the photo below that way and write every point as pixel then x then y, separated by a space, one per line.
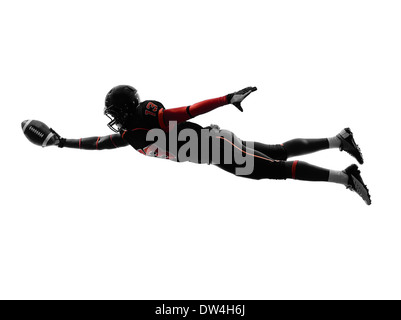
pixel 298 147
pixel 301 170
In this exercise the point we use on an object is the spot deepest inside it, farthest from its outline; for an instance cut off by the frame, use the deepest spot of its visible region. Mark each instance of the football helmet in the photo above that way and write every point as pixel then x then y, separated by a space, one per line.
pixel 120 105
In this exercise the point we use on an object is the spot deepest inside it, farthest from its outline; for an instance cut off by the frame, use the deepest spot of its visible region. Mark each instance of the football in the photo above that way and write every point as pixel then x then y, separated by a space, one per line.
pixel 39 133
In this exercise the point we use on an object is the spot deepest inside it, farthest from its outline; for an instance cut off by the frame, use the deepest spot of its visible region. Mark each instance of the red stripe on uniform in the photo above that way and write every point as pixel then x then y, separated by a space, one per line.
pixel 253 155
pixel 80 143
pixel 293 168
pixel 97 143
pixel 139 129
pixel 113 142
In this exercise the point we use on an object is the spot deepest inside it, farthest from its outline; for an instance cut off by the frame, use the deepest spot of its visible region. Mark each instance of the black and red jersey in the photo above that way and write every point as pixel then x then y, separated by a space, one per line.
pixel 151 114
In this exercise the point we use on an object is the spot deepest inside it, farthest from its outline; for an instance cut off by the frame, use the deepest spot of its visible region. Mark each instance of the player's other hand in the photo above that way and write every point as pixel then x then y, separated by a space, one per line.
pixel 237 97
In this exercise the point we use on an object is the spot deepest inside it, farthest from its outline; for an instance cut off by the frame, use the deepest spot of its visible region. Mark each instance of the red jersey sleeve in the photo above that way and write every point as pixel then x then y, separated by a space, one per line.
pixel 185 113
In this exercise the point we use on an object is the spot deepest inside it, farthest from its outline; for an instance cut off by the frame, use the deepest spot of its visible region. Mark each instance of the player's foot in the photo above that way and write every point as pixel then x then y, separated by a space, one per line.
pixel 348 144
pixel 355 183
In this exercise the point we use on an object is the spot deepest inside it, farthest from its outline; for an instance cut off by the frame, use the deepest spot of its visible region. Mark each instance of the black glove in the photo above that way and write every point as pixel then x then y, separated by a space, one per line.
pixel 237 97
pixel 58 141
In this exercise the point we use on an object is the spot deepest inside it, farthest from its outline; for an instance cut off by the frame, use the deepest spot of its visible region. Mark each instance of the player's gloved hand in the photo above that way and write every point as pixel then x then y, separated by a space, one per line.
pixel 237 97
pixel 58 141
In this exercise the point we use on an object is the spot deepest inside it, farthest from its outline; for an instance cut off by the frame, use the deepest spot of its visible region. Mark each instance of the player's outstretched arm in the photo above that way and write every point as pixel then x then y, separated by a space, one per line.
pixel 185 113
pixel 94 143
pixel 40 134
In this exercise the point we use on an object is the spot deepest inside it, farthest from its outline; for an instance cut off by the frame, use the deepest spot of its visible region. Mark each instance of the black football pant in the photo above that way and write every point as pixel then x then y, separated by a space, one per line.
pixel 269 161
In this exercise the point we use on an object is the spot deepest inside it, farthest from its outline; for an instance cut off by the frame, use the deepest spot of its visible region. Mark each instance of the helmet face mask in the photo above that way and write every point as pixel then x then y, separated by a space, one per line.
pixel 114 124
pixel 120 105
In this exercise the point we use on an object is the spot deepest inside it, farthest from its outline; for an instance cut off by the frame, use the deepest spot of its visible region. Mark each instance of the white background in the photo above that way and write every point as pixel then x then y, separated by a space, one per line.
pixel 116 225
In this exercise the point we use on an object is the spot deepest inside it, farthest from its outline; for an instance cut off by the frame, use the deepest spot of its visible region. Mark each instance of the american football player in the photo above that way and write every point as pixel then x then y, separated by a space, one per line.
pixel 133 120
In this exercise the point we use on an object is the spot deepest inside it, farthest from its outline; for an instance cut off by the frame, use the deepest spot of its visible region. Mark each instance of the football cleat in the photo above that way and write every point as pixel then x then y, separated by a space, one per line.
pixel 355 183
pixel 348 144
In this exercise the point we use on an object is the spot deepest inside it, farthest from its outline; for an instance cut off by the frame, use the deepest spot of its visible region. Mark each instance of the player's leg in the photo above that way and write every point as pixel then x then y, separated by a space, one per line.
pixel 349 177
pixel 265 167
pixel 297 147
pixel 275 151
